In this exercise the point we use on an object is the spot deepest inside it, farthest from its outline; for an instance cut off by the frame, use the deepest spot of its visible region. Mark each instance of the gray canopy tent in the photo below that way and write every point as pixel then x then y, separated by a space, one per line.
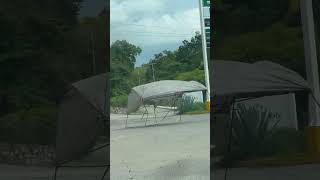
pixel 243 80
pixel 82 117
pixel 236 81
pixel 155 93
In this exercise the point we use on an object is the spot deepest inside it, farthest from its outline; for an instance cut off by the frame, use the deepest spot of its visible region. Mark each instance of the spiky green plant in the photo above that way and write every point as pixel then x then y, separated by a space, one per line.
pixel 186 104
pixel 251 132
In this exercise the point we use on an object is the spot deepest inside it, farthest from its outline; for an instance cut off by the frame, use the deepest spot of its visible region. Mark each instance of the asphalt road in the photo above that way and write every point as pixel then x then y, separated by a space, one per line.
pixel 167 150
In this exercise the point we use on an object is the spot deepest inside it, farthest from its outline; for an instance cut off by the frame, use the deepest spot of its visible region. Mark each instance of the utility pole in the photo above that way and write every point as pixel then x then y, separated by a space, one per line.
pixel 154 79
pixel 310 50
pixel 139 76
pixel 204 49
pixel 93 55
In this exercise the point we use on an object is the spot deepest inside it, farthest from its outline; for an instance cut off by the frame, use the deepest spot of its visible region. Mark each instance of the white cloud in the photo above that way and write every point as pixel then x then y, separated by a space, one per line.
pixel 128 10
pixel 153 22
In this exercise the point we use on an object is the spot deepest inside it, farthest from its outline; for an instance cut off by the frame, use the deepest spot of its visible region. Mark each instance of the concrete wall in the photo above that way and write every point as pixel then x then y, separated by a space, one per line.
pixel 285 105
pixel 197 95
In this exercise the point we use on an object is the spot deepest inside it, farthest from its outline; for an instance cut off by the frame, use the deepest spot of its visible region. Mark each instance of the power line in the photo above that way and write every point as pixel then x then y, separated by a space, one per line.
pixel 164 33
pixel 141 25
pixel 155 36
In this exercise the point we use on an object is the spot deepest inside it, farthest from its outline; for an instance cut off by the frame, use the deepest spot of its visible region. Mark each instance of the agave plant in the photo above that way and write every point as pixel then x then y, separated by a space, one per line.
pixel 252 130
pixel 186 104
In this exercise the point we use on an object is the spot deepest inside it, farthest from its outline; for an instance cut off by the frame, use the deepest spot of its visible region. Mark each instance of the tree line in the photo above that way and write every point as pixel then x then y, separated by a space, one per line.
pixel 44 47
pixel 184 63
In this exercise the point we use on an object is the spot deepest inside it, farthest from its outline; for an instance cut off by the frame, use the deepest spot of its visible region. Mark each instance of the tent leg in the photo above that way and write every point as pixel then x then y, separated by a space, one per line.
pixel 127 121
pixel 167 111
pixel 55 173
pixel 230 137
pixel 155 115
pixel 105 173
pixel 147 118
pixel 143 115
pixel 165 115
pixel 145 112
pixel 175 103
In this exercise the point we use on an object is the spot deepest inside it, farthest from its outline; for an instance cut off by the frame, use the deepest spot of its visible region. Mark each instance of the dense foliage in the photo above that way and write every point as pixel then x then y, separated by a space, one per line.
pixel 181 64
pixel 255 30
pixel 123 57
pixel 44 47
pixel 185 63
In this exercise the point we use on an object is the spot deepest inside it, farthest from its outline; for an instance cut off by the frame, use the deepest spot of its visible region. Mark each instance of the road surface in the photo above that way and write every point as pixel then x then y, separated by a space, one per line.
pixel 167 150
pixel 302 172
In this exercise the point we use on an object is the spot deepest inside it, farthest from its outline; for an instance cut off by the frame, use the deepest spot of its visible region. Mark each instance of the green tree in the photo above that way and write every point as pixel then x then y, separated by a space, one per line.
pixel 195 75
pixel 169 64
pixel 123 57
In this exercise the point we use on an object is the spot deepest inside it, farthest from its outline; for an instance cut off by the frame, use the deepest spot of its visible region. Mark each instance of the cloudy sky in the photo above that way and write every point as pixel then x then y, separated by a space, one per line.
pixel 153 25
pixel 92 7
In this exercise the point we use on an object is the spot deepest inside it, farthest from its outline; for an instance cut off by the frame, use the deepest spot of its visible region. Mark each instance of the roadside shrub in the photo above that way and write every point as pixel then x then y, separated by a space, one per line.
pixel 119 101
pixel 252 133
pixel 186 104
pixel 254 136
pixel 34 126
pixel 199 106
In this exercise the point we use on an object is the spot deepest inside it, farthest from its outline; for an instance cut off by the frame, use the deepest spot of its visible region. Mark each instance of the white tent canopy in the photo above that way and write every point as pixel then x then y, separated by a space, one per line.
pixel 160 90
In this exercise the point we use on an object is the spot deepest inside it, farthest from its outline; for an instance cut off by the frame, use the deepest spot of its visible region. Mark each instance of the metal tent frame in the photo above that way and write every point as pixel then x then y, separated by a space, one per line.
pixel 103 116
pixel 146 112
pixel 106 166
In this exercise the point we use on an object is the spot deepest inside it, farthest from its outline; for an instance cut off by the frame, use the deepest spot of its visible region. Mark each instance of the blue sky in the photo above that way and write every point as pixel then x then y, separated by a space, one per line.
pixel 153 25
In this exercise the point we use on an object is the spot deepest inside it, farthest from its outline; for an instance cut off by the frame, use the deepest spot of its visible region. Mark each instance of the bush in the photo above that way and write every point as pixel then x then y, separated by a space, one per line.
pixel 119 101
pixel 199 106
pixel 186 104
pixel 254 137
pixel 34 126
pixel 252 133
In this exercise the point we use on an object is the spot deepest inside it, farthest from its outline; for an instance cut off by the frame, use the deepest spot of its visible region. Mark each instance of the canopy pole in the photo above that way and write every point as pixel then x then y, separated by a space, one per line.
pixel 127 120
pixel 55 172
pixel 175 104
pixel 155 115
pixel 105 173
pixel 145 112
pixel 171 105
pixel 310 49
pixel 230 137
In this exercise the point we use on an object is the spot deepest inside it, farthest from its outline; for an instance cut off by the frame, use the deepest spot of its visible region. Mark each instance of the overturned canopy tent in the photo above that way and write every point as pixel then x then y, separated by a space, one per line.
pixel 158 91
pixel 81 118
pixel 243 80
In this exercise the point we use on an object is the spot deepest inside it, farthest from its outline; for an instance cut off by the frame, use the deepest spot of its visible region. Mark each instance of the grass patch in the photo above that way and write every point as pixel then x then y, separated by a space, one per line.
pixel 197 112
